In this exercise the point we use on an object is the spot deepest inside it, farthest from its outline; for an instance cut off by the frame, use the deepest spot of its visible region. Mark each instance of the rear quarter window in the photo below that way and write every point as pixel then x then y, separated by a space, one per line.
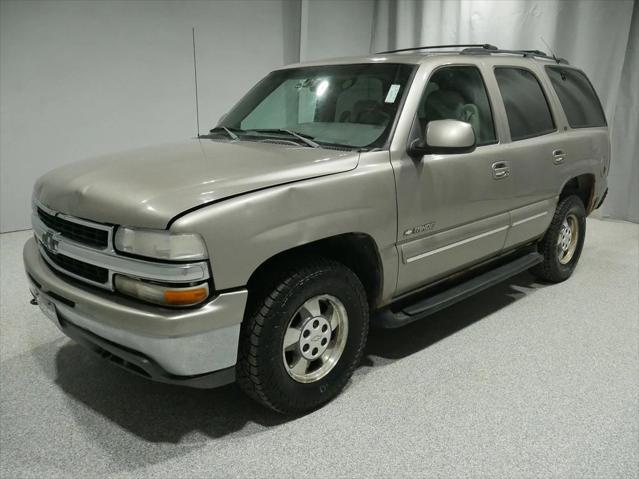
pixel 526 105
pixel 577 97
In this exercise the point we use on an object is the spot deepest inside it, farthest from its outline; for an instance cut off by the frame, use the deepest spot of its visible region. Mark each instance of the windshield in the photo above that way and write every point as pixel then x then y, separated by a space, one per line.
pixel 351 106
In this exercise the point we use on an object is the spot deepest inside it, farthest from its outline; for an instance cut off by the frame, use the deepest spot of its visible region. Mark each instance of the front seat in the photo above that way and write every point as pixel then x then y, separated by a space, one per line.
pixel 368 112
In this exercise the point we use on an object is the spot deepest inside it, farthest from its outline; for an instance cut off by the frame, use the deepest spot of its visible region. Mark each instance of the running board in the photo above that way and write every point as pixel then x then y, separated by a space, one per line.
pixel 389 319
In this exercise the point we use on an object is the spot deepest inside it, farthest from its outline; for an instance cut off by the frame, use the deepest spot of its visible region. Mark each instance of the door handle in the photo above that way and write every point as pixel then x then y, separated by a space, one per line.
pixel 501 169
pixel 558 156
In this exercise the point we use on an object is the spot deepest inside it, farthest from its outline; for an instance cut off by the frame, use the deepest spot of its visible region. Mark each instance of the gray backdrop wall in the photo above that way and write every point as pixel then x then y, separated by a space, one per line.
pixel 80 78
pixel 84 77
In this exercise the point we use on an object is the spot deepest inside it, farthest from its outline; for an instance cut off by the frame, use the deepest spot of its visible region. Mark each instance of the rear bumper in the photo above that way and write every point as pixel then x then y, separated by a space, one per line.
pixel 176 346
pixel 603 198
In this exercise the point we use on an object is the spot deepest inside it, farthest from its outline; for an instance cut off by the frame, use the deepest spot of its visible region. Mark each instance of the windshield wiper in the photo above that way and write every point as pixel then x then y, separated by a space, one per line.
pixel 228 131
pixel 305 138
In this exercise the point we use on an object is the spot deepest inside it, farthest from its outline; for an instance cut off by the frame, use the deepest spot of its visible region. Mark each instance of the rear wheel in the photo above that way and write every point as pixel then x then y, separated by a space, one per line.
pixel 563 241
pixel 303 337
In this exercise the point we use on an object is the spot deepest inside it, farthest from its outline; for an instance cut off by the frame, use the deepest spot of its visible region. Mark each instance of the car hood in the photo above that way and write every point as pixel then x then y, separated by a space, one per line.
pixel 148 187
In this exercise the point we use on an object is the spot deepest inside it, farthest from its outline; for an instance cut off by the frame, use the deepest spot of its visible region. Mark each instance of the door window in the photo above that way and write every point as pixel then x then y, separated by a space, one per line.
pixel 577 97
pixel 526 105
pixel 458 93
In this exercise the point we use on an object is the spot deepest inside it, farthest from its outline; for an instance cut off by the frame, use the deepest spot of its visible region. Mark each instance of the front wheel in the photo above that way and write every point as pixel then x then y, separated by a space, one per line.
pixel 562 244
pixel 302 338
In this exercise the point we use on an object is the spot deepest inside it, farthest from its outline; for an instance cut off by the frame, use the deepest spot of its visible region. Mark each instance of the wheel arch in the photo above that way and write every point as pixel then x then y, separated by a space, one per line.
pixel 357 251
pixel 583 186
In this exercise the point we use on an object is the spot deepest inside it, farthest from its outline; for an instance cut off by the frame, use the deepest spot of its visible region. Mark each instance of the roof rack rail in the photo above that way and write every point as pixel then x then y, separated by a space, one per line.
pixel 484 46
pixel 524 53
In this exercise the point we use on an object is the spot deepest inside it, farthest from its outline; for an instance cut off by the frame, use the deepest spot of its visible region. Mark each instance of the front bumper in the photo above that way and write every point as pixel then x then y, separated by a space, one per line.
pixel 177 346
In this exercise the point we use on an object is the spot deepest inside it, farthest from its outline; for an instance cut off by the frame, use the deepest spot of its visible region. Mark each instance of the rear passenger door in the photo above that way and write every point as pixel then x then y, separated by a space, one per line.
pixel 585 140
pixel 534 152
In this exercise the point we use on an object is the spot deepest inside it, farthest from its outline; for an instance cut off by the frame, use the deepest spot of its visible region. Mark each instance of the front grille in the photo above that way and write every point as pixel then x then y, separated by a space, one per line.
pixel 75 231
pixel 79 268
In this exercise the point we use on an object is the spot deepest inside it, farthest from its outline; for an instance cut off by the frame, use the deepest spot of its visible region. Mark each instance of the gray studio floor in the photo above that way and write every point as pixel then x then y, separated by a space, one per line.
pixel 524 380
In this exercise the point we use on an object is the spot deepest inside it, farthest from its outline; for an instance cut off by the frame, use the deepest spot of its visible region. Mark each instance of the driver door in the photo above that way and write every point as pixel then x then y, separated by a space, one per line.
pixel 452 208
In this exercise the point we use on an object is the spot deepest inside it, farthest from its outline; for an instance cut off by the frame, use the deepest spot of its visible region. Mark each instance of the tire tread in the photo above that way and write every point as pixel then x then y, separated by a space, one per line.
pixel 252 373
pixel 549 270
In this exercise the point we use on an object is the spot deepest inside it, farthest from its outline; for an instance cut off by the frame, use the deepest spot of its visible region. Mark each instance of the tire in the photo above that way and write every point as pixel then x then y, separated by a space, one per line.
pixel 265 369
pixel 558 265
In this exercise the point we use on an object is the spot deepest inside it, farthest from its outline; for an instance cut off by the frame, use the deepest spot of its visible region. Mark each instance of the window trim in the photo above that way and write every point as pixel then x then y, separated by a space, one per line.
pixel 543 92
pixel 488 96
pixel 599 104
pixel 400 109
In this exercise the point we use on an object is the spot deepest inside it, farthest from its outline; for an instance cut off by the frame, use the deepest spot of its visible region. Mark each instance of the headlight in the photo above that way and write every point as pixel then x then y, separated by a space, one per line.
pixel 163 295
pixel 160 244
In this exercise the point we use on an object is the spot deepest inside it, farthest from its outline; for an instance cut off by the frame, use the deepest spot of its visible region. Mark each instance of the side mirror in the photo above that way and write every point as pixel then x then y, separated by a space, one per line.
pixel 444 137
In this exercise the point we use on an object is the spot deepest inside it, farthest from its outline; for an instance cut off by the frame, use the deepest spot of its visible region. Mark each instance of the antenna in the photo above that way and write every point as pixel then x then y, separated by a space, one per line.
pixel 197 108
pixel 554 57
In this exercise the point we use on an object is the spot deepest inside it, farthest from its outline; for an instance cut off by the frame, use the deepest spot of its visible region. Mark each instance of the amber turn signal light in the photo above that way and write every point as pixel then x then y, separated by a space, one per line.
pixel 159 294
pixel 183 297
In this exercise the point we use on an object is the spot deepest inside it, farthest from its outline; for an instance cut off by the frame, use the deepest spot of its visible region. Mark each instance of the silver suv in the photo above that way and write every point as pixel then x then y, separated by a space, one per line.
pixel 335 195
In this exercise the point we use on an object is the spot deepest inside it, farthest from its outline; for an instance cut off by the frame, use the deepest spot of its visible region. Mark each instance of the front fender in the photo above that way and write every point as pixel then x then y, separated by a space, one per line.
pixel 243 232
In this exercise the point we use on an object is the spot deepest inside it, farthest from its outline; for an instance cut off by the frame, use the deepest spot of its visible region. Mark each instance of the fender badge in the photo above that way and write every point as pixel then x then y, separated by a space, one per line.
pixel 420 229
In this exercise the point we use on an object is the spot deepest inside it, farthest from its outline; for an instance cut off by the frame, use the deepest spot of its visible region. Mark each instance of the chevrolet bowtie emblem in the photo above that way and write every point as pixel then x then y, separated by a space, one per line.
pixel 50 241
